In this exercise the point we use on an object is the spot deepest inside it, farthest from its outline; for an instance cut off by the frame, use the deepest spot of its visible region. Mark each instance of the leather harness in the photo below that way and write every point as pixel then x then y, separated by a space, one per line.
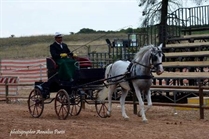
pixel 129 78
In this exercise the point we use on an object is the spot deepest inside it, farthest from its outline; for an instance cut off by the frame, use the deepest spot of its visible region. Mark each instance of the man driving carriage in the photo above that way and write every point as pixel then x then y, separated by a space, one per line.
pixel 63 57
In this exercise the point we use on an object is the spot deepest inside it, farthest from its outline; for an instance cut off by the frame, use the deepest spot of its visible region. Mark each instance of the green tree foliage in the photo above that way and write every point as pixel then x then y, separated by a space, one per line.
pixel 87 30
pixel 127 31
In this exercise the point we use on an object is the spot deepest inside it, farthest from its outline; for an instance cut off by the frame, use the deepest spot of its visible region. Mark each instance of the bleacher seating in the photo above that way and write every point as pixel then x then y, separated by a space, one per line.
pixel 186 64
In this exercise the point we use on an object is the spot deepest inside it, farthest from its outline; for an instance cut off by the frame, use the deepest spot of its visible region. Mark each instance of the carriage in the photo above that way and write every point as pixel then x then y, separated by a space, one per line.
pixel 70 95
pixel 89 85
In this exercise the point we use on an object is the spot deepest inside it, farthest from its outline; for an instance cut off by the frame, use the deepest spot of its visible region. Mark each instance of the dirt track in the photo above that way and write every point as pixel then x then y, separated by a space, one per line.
pixel 162 124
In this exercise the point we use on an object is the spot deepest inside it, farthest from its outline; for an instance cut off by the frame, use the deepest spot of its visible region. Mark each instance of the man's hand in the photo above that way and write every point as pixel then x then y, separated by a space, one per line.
pixel 74 55
pixel 71 54
pixel 63 55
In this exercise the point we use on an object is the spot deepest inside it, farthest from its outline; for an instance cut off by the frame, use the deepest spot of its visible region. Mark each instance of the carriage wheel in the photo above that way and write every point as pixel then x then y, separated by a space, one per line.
pixel 62 104
pixel 101 109
pixel 75 103
pixel 35 103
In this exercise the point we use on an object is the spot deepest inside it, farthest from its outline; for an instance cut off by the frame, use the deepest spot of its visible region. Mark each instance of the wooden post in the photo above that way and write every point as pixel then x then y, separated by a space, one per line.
pixel 6 91
pixel 201 101
pixel 134 103
pixel 83 98
pixel 83 103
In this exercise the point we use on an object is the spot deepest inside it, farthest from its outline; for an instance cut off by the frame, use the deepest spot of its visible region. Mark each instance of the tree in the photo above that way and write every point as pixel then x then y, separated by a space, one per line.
pixel 87 30
pixel 156 11
pixel 128 30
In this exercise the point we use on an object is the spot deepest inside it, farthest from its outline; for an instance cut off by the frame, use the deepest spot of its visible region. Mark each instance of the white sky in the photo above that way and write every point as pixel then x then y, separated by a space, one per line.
pixel 43 17
pixel 32 17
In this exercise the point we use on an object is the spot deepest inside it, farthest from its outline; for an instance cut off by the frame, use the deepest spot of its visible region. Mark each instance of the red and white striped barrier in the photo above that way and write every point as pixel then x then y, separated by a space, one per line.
pixel 13 90
pixel 28 71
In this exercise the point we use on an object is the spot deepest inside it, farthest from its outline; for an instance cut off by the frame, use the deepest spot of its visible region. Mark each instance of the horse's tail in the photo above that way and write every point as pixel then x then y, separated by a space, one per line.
pixel 103 94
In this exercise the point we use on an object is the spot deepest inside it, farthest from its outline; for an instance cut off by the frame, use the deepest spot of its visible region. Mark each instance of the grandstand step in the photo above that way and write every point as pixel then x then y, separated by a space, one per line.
pixel 186 64
pixel 187 54
pixel 196 35
pixel 189 38
pixel 194 101
pixel 182 75
pixel 187 45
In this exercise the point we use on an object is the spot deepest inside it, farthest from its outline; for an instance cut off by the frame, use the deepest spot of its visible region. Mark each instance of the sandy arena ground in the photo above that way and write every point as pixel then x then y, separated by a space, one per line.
pixel 162 124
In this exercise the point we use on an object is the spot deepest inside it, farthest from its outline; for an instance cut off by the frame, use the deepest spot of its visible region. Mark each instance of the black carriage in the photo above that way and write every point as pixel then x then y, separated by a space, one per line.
pixel 70 95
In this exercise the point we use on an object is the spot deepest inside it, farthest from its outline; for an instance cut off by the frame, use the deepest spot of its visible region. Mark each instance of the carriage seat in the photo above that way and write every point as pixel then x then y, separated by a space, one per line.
pixel 51 64
pixel 84 62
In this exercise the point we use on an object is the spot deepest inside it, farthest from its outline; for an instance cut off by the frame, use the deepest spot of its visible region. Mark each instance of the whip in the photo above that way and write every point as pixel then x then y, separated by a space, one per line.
pixel 98 38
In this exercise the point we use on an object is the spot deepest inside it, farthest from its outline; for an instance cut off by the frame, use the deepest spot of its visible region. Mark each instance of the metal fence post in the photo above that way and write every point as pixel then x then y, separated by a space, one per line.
pixel 201 101
pixel 40 72
pixel 6 90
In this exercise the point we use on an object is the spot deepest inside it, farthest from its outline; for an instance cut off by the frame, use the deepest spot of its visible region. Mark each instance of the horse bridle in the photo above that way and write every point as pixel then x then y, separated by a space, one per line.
pixel 149 67
pixel 154 58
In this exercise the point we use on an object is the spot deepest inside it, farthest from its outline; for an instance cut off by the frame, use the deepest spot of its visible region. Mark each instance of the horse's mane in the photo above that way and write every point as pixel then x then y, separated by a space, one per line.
pixel 142 51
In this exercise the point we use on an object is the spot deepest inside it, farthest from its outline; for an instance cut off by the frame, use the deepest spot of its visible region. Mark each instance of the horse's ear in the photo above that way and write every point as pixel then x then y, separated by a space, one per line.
pixel 160 46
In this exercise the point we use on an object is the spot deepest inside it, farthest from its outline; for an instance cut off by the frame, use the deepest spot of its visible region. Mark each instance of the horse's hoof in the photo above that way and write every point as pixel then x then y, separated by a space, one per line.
pixel 145 121
pixel 108 114
pixel 126 118
pixel 139 114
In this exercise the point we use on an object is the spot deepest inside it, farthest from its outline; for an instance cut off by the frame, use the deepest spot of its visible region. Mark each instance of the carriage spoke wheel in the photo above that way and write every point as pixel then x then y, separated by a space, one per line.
pixel 101 109
pixel 62 104
pixel 75 103
pixel 35 103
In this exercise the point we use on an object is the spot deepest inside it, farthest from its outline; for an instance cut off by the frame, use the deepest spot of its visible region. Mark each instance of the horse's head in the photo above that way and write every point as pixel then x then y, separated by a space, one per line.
pixel 156 59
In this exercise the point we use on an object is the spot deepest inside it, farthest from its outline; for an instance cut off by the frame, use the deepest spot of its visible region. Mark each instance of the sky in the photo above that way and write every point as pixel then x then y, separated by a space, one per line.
pixel 32 17
pixel 45 17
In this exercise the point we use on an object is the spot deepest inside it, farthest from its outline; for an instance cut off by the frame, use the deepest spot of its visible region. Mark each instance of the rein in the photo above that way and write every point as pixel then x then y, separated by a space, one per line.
pixel 157 64
pixel 127 76
pixel 149 67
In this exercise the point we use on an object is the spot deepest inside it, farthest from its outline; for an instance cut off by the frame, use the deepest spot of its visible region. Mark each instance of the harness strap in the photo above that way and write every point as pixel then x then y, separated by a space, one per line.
pixel 129 67
pixel 108 74
pixel 128 76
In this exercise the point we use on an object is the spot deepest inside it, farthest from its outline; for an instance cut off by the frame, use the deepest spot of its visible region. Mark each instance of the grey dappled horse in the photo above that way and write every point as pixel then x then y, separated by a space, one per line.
pixel 139 71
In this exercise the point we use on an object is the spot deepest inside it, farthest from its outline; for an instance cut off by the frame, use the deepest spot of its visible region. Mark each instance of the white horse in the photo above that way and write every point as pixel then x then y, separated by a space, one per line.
pixel 137 73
